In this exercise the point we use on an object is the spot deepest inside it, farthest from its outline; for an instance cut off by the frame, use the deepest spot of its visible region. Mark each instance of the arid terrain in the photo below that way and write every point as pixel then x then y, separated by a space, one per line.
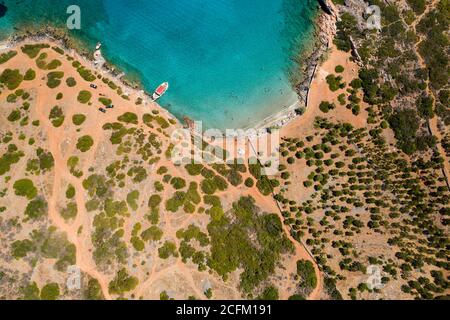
pixel 93 205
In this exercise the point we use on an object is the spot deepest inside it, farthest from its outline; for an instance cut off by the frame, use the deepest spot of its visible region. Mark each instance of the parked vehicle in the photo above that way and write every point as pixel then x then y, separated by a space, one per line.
pixel 94 86
pixel 110 107
pixel 102 110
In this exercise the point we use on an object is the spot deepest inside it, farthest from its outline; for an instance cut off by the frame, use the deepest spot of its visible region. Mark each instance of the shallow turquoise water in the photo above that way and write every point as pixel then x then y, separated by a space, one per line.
pixel 227 61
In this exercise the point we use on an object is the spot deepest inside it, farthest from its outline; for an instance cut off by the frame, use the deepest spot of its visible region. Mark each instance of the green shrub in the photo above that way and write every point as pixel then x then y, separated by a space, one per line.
pixel 94 290
pixel 36 209
pixel 154 201
pixel 11 78
pixel 208 186
pixel 78 119
pixel 249 183
pixel 70 212
pixel 305 269
pixel 84 96
pixel 152 234
pixel 105 101
pixel 127 117
pixel 25 188
pixel 85 143
pixel 30 75
pixel 356 84
pixel 32 50
pixel 20 248
pixel 5 57
pixel 168 249
pixel 14 115
pixel 194 169
pixel 339 69
pixel 132 199
pixel 334 82
pixel 178 183
pixel 85 73
pixel 270 293
pixel 418 6
pixel 56 116
pixel 325 106
pixel 425 106
pixel 50 292
pixel 54 79
pixel 70 192
pixel 71 82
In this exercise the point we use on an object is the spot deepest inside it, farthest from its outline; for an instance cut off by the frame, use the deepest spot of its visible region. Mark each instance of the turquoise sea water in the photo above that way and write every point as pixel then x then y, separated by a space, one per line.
pixel 227 61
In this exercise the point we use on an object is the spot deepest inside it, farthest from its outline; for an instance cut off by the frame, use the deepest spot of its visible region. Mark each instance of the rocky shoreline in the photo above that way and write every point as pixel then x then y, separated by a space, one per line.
pixel 325 30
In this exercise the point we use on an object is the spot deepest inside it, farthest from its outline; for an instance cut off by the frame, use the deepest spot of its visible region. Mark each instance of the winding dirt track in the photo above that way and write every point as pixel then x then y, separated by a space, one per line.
pixel 84 258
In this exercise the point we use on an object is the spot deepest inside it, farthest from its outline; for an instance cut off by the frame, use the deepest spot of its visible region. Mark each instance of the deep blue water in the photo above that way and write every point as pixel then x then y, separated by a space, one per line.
pixel 227 61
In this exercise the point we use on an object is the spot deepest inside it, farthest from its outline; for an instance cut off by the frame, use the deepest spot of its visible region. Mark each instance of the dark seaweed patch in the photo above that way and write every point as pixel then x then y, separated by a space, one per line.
pixel 3 9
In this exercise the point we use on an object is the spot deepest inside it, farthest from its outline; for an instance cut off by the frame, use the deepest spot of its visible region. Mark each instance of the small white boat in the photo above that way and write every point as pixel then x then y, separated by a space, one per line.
pixel 160 91
pixel 99 45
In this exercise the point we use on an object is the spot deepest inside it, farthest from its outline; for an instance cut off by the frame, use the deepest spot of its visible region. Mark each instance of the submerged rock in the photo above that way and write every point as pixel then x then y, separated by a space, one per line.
pixel 3 10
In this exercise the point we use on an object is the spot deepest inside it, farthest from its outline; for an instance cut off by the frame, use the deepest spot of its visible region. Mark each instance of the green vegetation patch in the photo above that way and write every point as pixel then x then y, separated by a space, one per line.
pixel 232 246
pixel 72 164
pixel 84 96
pixel 167 250
pixel 86 74
pixel 152 234
pixel 11 78
pixel 14 116
pixel 70 211
pixel 127 117
pixel 54 79
pixel 43 163
pixel 32 50
pixel 49 244
pixel 94 290
pixel 36 209
pixel 78 119
pixel 43 65
pixel 71 82
pixel 105 101
pixel 85 143
pixel 122 283
pixel 12 156
pixel 56 116
pixel 325 106
pixel 50 292
pixel 5 57
pixel 132 199
pixel 305 269
pixel 25 188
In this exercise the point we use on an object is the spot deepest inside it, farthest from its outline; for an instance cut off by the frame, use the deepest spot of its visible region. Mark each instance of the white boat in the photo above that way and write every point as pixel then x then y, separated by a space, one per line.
pixel 99 45
pixel 159 92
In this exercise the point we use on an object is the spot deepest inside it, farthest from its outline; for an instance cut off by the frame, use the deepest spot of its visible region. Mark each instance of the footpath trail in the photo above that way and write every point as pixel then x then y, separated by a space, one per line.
pixel 55 139
pixel 433 127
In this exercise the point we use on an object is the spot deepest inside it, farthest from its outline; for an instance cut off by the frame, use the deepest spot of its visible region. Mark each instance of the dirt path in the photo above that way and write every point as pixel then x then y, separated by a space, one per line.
pixel 432 124
pixel 84 257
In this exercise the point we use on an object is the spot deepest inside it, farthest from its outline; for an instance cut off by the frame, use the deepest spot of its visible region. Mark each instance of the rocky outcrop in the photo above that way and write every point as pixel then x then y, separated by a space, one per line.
pixel 324 33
